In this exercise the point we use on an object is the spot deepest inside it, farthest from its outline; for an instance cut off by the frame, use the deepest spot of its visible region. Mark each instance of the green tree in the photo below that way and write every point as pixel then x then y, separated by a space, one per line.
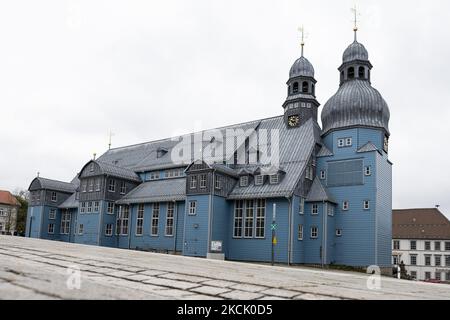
pixel 22 196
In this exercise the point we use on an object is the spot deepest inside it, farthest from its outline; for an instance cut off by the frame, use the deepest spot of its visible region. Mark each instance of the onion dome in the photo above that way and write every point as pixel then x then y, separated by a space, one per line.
pixel 301 68
pixel 356 103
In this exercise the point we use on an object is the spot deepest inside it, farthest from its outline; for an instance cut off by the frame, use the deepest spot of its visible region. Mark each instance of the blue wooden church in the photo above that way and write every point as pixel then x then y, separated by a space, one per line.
pixel 324 193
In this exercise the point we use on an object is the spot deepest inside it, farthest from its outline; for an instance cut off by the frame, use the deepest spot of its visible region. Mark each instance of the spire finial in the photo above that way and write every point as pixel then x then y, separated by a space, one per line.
pixel 355 20
pixel 110 139
pixel 38 174
pixel 304 35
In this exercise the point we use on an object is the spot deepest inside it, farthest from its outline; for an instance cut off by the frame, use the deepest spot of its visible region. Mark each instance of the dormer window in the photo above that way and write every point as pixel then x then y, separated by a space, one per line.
pixel 193 182
pixel 243 181
pixel 305 87
pixel 274 178
pixel 295 87
pixel 259 180
pixel 54 198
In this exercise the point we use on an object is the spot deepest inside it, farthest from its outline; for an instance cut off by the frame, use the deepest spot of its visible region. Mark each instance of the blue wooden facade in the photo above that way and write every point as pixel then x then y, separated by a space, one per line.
pixel 330 187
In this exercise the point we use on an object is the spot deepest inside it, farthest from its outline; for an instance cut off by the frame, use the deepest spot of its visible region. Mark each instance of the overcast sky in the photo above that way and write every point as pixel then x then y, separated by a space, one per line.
pixel 70 71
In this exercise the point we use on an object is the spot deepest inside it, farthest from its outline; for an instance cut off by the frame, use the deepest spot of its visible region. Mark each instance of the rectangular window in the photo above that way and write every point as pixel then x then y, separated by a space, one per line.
pixel 110 209
pixel 301 209
pixel 260 218
pixel 314 232
pixel 315 209
pixel 437 261
pixel 427 275
pixel 345 173
pixel 427 245
pixel 348 142
pixel 248 223
pixel 413 259
pixel 154 175
pixel 84 186
pixel 437 246
pixel 447 276
pixel 338 232
pixel 80 228
pixel 437 276
pixel 83 207
pixel 394 260
pixel 447 261
pixel 413 245
pixel 414 274
pixel 341 143
pixel 322 175
pixel 193 182
pixel 65 222
pixel 91 185
pixel 300 232
pixel 155 219
pixel 97 184
pixel 140 220
pixel 112 185
pixel 203 181
pixel 51 228
pixel 192 208
pixel 367 171
pixel 259 180
pixel 366 204
pixel 52 214
pixel 170 218
pixel 243 181
pixel 123 187
pixel 89 207
pixel 238 217
pixel 96 206
pixel 54 197
pixel 447 246
pixel 427 260
pixel 396 245
pixel 125 220
pixel 274 178
pixel 345 205
pixel 218 182
pixel 108 229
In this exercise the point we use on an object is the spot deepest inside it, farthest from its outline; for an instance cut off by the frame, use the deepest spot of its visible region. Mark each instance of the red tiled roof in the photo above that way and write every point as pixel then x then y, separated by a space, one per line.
pixel 7 198
pixel 420 224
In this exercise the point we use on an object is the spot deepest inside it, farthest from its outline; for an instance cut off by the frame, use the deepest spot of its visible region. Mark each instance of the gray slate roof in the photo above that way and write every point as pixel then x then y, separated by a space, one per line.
pixel 116 171
pixel 324 152
pixel 49 184
pixel 318 193
pixel 355 51
pixel 368 147
pixel 70 203
pixel 301 67
pixel 157 191
pixel 296 147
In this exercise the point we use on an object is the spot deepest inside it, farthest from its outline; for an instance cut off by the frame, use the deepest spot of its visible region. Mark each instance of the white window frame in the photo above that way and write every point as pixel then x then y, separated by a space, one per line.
pixel 411 245
pixel 89 207
pixel 97 184
pixel 341 142
pixel 170 218
pixel 437 246
pixel 367 171
pixel 52 228
pixel 83 207
pixel 123 187
pixel 411 256
pixel 203 181
pixel 314 232
pixel 243 181
pixel 348 142
pixel 111 185
pixel 274 178
pixel 52 214
pixel 109 229
pixel 394 247
pixel 192 208
pixel 338 232
pixel 300 232
pixel 96 206
pixel 345 205
pixel 65 222
pixel 193 182
pixel 238 219
pixel 140 220
pixel 154 175
pixel 54 196
pixel 110 206
pixel 249 218
pixel 301 207
pixel 438 260
pixel 323 175
pixel 218 183
pixel 366 205
pixel 314 209
pixel 154 226
pixel 84 186
pixel 259 180
pixel 91 185
pixel 330 210
pixel 260 220
pixel 80 228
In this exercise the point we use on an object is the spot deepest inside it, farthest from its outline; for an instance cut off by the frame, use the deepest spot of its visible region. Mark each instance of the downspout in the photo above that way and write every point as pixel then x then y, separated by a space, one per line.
pixel 289 254
pixel 325 232
pixel 175 225
pixel 210 213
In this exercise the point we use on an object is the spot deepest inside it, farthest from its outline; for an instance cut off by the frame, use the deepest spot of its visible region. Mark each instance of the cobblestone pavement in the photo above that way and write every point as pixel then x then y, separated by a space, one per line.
pixel 38 269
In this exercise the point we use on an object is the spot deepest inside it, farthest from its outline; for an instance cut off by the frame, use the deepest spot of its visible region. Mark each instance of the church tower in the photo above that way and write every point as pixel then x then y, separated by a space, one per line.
pixel 301 103
pixel 354 165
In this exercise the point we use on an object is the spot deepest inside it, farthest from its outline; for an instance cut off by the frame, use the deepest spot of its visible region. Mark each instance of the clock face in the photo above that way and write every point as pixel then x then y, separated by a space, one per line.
pixel 293 121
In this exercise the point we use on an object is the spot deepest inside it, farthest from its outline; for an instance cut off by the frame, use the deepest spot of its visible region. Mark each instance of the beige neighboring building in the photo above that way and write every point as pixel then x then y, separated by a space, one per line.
pixel 9 207
pixel 421 239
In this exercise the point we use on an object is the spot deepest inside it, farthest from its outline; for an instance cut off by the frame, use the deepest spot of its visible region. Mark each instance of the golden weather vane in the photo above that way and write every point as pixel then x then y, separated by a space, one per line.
pixel 356 14
pixel 304 36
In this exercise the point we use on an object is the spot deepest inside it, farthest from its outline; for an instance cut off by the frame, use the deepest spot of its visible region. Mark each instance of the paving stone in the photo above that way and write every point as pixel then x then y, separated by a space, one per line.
pixel 177 276
pixel 271 298
pixel 138 277
pixel 210 290
pixel 121 274
pixel 309 296
pixel 130 269
pixel 219 283
pixel 152 272
pixel 241 295
pixel 248 287
pixel 13 292
pixel 171 283
pixel 280 292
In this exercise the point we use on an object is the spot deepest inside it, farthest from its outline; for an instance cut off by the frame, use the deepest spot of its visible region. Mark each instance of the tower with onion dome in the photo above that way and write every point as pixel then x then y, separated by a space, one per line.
pixel 353 164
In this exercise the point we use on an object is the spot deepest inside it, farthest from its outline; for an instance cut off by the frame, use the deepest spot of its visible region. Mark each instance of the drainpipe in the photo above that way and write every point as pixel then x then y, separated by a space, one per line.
pixel 175 224
pixel 130 225
pixel 289 230
pixel 324 238
pixel 210 213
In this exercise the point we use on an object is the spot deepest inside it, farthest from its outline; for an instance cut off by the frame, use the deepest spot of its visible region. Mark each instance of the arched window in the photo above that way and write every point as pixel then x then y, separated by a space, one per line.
pixel 351 73
pixel 305 87
pixel 313 89
pixel 295 88
pixel 361 73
